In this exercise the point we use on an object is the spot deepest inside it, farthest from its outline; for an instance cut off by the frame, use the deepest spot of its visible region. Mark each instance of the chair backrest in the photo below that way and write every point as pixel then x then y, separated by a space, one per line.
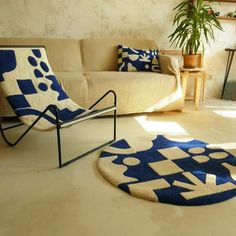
pixel 29 85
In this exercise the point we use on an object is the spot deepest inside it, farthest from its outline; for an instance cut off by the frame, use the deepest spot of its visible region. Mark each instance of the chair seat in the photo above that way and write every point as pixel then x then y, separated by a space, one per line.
pixel 28 83
pixel 89 114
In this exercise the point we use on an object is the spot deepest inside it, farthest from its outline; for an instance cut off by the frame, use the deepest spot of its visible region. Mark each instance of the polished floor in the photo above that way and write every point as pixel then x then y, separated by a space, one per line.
pixel 36 198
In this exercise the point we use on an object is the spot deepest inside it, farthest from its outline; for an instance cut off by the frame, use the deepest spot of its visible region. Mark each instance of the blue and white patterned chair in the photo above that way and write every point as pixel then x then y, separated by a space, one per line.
pixel 32 90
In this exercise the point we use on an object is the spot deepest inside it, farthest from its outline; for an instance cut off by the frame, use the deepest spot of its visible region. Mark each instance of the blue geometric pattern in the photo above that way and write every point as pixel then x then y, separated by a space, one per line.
pixel 29 85
pixel 7 62
pixel 130 59
pixel 26 86
pixel 37 52
pixel 182 173
pixel 18 102
pixel 32 61
pixel 38 73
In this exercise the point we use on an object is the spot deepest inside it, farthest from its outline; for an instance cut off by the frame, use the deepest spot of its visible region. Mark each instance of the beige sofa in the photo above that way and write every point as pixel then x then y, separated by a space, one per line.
pixel 87 68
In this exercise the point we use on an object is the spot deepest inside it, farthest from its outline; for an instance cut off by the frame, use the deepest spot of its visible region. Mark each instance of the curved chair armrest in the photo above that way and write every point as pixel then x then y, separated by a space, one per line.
pixel 169 65
pixel 52 106
pixel 101 98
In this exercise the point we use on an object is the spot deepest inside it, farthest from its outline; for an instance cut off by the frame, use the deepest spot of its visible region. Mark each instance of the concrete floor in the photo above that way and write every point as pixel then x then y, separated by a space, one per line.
pixel 36 198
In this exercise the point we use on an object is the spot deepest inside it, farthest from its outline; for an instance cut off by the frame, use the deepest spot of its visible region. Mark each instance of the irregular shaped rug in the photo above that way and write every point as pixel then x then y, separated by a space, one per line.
pixel 189 172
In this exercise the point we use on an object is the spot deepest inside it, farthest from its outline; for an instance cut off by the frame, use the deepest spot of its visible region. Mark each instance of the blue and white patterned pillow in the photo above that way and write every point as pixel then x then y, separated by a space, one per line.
pixel 130 59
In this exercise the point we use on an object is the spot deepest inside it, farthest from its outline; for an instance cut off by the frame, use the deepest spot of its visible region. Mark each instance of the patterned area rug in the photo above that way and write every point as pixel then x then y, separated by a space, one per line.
pixel 189 172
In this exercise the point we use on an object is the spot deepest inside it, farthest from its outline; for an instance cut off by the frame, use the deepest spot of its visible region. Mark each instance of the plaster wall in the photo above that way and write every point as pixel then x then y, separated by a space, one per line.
pixel 111 18
pixel 215 55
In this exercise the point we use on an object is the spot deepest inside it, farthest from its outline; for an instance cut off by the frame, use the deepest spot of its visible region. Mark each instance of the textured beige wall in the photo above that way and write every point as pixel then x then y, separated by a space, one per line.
pixel 86 18
pixel 216 57
pixel 112 18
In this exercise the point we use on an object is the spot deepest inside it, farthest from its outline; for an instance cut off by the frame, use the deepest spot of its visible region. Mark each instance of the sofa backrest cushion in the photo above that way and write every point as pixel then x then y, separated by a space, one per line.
pixel 63 54
pixel 101 54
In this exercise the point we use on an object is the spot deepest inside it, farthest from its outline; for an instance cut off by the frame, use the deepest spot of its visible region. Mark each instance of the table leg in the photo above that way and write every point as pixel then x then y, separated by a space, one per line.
pixel 184 81
pixel 195 78
pixel 203 86
pixel 198 80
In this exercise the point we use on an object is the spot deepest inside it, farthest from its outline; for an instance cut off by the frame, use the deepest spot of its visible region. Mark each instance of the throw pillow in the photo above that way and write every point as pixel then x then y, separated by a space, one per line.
pixel 130 59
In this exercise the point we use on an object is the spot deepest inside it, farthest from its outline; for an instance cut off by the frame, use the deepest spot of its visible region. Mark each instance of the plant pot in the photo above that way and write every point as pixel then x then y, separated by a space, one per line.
pixel 192 61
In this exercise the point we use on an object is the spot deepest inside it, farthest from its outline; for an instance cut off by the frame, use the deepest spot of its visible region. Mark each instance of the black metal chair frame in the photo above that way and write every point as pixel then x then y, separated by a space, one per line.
pixel 60 125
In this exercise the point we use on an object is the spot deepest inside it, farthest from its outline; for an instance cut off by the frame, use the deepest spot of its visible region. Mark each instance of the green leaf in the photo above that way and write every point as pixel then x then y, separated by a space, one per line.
pixel 194 25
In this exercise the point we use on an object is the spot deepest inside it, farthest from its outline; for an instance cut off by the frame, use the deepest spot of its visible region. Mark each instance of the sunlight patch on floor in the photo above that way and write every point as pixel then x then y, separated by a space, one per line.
pixel 221 107
pixel 227 146
pixel 226 113
pixel 162 127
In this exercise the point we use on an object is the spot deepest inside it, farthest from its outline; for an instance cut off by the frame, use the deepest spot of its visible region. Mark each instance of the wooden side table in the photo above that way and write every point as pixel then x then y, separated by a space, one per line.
pixel 199 83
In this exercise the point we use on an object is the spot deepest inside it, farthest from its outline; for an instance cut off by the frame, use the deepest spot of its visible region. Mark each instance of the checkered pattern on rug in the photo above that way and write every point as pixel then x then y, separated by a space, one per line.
pixel 174 171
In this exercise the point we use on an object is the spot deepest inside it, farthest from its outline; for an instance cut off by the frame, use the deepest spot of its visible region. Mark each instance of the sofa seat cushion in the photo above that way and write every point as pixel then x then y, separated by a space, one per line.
pixel 136 91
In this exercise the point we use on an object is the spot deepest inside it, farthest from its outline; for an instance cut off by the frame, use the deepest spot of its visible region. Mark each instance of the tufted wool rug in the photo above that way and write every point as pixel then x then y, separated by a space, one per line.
pixel 186 172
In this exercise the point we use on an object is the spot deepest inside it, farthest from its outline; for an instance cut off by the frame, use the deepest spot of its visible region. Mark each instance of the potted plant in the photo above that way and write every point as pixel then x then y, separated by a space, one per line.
pixel 195 21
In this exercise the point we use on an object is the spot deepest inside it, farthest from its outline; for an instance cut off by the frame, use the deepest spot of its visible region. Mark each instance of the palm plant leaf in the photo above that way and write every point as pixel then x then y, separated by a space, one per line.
pixel 195 22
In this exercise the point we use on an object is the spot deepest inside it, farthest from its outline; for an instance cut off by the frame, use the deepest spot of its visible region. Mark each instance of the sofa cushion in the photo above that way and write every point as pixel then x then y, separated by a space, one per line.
pixel 136 91
pixel 100 54
pixel 63 54
pixel 131 59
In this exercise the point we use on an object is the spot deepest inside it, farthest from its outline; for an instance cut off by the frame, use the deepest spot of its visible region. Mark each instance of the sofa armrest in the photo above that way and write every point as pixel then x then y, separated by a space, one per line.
pixel 169 65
